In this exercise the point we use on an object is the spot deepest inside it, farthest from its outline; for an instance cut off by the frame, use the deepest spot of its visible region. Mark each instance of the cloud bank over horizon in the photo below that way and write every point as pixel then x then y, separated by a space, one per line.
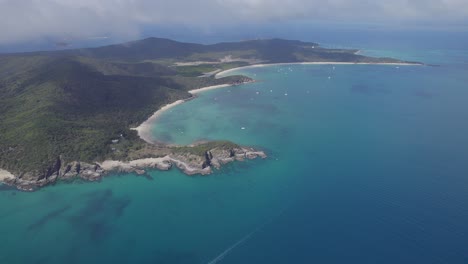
pixel 25 20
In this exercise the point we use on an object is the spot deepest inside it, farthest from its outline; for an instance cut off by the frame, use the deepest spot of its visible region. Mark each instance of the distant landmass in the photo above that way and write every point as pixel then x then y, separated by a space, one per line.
pixel 67 114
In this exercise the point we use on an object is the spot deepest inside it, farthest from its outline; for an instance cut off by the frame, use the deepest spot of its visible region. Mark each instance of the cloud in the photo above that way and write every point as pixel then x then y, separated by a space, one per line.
pixel 23 20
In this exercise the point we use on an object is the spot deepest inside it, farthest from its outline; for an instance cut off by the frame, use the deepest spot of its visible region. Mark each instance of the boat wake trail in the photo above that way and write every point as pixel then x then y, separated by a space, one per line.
pixel 243 239
pixel 229 249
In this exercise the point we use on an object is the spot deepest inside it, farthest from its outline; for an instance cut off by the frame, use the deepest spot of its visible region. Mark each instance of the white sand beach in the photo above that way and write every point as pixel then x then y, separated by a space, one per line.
pixel 196 91
pixel 219 74
pixel 144 130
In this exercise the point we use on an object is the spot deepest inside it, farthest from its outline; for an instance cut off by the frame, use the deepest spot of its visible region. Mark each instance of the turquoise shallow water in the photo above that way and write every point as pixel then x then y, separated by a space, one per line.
pixel 367 166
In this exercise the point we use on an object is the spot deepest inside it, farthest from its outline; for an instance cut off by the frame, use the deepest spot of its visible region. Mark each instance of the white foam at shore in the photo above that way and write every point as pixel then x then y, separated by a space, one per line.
pixel 4 175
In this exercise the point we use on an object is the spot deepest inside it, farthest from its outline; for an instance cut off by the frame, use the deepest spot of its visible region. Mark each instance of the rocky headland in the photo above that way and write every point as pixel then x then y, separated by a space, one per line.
pixel 197 159
pixel 68 114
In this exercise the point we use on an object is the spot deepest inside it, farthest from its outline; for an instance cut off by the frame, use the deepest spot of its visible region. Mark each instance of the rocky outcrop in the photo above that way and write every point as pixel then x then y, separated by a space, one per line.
pixel 188 162
pixel 30 181
pixel 219 156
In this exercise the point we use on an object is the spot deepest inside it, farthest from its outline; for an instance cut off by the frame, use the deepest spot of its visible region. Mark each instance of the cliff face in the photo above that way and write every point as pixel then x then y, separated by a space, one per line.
pixel 189 162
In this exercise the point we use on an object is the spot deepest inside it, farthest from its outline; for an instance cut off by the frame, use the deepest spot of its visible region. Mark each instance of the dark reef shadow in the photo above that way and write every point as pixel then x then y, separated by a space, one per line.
pixel 97 216
pixel 46 218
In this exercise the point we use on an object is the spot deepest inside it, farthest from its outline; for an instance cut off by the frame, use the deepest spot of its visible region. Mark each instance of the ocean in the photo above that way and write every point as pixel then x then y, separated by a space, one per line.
pixel 366 164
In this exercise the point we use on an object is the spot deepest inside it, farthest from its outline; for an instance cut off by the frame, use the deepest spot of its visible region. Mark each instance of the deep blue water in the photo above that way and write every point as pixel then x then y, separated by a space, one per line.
pixel 367 166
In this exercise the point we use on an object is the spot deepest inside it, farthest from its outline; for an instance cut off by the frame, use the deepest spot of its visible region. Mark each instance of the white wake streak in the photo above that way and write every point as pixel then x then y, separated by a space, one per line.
pixel 229 249
pixel 242 240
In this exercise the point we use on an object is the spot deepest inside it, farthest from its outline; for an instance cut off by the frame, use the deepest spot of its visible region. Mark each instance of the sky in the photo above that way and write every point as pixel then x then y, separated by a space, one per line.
pixel 23 21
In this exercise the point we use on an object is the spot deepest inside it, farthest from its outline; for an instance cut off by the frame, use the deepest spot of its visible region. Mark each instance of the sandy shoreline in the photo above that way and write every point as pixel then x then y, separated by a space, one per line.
pixel 315 63
pixel 144 130
pixel 196 91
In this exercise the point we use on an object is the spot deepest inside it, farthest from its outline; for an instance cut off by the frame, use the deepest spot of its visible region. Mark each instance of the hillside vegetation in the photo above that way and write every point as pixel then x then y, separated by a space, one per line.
pixel 73 103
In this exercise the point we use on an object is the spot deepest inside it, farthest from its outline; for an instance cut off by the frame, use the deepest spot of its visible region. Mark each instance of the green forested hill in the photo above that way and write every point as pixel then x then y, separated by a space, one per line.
pixel 73 103
pixel 267 50
pixel 71 107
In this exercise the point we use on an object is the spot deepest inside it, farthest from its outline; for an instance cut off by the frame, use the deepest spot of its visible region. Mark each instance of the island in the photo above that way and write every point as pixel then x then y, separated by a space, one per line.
pixel 72 114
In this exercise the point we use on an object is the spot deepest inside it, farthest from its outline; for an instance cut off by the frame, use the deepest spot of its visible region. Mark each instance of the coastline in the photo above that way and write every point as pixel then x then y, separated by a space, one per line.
pixel 93 172
pixel 191 163
pixel 317 63
pixel 144 129
pixel 203 89
pixel 188 163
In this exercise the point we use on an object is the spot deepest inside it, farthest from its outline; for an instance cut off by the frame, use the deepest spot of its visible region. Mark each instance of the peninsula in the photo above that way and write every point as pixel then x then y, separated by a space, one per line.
pixel 69 114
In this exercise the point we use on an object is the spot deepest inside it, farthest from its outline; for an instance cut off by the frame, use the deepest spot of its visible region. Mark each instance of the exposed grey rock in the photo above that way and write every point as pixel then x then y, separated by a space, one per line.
pixel 190 164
